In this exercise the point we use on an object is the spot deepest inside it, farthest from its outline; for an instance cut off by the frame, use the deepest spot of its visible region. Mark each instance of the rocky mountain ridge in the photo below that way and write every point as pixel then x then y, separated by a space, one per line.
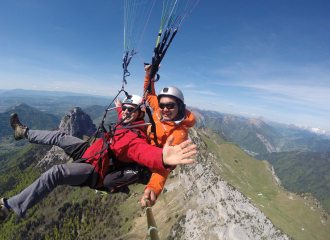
pixel 201 200
pixel 261 136
pixel 220 210
pixel 316 130
pixel 76 123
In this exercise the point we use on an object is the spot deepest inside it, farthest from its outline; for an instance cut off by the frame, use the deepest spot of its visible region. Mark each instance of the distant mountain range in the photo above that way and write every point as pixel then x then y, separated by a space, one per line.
pixel 261 136
pixel 57 103
pixel 36 119
pixel 315 130
pixel 23 92
pixel 31 117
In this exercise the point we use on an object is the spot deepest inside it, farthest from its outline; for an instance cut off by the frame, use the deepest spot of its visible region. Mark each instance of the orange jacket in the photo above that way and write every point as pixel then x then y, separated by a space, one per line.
pixel 164 129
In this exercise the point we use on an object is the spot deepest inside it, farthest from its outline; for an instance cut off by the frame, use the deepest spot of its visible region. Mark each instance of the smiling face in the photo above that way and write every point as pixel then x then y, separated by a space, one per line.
pixel 168 114
pixel 131 118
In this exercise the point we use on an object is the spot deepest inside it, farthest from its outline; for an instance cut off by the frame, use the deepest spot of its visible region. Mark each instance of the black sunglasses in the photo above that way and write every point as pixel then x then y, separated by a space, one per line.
pixel 130 109
pixel 169 105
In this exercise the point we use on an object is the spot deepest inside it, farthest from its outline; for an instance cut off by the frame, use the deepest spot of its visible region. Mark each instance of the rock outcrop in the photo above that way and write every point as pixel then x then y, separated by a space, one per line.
pixel 213 208
pixel 76 123
pixel 267 144
pixel 200 118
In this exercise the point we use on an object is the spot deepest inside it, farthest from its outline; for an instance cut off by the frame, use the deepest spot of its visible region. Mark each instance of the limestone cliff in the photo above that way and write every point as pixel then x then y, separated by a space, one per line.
pixel 76 123
pixel 215 209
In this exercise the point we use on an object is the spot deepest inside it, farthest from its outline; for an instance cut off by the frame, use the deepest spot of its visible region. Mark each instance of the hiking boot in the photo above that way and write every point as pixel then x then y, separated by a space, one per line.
pixel 20 129
pixel 4 211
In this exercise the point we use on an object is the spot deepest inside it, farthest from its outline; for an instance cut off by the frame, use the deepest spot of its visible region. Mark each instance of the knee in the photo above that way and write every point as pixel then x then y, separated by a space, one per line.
pixel 53 175
pixel 60 134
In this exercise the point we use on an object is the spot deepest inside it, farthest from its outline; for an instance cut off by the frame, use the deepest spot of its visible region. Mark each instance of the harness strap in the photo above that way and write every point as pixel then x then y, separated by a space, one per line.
pixel 153 126
pixel 136 132
pixel 114 162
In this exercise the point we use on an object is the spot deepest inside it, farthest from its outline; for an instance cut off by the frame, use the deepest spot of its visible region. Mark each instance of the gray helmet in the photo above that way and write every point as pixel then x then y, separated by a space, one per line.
pixel 171 91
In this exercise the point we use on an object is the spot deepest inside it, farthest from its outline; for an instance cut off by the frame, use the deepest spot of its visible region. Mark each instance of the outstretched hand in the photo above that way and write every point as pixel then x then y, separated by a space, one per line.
pixel 176 155
pixel 148 69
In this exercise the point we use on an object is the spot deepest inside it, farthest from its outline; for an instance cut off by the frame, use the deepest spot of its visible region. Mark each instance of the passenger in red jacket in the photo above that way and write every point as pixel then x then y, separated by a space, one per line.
pixel 128 145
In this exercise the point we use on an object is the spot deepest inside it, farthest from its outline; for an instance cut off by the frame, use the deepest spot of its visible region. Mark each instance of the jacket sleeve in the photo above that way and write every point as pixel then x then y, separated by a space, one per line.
pixel 119 111
pixel 140 151
pixel 158 178
pixel 152 98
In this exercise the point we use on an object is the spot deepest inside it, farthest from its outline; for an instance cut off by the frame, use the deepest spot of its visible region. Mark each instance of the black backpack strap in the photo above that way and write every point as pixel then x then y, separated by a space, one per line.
pixel 153 126
pixel 136 132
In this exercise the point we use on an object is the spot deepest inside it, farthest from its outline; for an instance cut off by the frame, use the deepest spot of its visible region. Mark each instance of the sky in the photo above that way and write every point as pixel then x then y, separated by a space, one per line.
pixel 252 58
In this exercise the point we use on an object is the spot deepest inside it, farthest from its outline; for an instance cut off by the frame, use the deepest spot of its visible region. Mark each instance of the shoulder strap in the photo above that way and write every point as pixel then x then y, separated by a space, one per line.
pixel 153 126
pixel 136 132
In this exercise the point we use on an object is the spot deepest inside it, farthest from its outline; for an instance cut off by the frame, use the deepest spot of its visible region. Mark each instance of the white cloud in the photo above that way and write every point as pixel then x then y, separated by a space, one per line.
pixel 190 85
pixel 272 81
pixel 203 92
pixel 265 71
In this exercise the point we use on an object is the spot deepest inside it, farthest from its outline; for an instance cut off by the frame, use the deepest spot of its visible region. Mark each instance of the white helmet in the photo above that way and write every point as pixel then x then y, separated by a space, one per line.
pixel 133 99
pixel 171 91
pixel 136 100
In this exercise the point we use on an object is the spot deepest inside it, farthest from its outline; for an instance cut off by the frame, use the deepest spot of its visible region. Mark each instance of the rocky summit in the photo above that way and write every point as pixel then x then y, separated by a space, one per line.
pixel 77 123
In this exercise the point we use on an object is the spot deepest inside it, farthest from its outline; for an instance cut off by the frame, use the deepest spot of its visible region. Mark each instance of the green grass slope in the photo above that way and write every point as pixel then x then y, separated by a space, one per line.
pixel 29 116
pixel 304 172
pixel 291 213
pixel 66 213
pixel 17 168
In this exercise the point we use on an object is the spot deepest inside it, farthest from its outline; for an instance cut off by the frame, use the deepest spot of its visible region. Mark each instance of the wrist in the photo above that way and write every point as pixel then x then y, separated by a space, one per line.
pixel 166 166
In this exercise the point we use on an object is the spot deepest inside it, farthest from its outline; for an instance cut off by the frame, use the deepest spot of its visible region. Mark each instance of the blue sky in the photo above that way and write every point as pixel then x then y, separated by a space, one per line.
pixel 255 58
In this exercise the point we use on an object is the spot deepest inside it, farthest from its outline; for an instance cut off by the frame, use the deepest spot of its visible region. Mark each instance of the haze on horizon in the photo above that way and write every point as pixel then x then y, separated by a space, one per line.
pixel 260 58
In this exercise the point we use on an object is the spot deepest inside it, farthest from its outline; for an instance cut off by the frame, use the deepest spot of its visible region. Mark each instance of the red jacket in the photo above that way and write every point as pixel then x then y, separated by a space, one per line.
pixel 128 147
pixel 164 129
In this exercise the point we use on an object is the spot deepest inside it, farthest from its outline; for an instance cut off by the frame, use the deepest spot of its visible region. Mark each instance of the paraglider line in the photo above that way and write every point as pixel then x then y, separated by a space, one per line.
pixel 140 56
pixel 183 12
pixel 188 15
pixel 146 25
